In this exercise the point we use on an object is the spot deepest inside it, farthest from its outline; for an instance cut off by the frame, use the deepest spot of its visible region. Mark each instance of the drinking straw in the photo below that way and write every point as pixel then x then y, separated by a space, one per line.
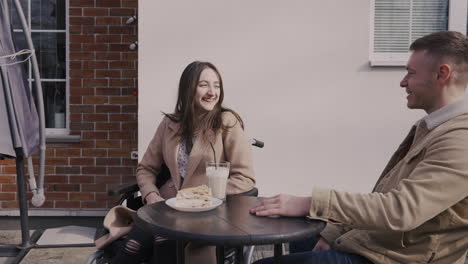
pixel 214 155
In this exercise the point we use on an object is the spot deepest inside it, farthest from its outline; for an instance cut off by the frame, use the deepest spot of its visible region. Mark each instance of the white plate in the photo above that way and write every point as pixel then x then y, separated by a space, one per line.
pixel 215 202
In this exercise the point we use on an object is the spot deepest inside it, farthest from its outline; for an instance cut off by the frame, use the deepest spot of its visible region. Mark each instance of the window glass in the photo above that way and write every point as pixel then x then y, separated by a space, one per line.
pixel 54 103
pixel 48 14
pixel 50 53
pixel 47 19
pixel 397 23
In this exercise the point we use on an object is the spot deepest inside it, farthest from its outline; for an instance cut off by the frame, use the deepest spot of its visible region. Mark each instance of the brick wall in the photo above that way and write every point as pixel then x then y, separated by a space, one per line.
pixel 103 111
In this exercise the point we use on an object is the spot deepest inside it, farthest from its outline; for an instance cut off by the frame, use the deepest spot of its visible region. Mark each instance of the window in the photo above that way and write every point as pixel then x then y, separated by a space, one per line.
pixel 397 23
pixel 47 20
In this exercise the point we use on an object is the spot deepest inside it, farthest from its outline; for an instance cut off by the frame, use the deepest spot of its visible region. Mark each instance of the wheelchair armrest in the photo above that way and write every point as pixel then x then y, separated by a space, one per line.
pixel 124 188
pixel 252 192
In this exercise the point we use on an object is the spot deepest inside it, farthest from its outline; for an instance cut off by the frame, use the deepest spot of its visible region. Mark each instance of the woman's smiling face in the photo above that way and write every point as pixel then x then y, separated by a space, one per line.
pixel 208 91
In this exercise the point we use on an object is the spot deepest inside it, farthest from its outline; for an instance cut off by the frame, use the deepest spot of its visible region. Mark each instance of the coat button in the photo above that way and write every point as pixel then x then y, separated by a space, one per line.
pixel 338 241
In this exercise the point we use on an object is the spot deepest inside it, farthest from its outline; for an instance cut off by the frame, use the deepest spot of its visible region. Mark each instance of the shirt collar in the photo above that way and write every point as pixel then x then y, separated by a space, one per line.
pixel 444 114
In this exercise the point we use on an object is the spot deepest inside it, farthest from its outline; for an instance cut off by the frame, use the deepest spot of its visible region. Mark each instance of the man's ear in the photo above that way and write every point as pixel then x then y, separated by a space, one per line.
pixel 444 73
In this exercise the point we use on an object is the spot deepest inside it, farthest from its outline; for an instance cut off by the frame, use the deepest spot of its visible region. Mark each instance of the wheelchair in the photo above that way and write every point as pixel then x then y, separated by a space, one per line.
pixel 129 196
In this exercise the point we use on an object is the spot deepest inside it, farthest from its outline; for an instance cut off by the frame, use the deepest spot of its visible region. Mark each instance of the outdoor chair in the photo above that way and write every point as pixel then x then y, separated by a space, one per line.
pixel 129 196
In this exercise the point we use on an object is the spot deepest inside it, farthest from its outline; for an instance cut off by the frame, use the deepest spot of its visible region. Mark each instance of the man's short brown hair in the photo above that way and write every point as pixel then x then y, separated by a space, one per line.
pixel 447 47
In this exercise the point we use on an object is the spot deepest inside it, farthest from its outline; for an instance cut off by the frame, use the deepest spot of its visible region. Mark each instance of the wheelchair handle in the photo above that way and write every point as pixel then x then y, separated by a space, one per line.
pixel 257 143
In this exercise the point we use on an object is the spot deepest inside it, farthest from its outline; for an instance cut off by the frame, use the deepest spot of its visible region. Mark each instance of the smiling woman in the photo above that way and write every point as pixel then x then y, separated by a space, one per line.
pixel 198 131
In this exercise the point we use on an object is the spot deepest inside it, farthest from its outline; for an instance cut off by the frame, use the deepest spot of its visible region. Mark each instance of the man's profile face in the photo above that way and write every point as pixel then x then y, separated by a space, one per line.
pixel 420 82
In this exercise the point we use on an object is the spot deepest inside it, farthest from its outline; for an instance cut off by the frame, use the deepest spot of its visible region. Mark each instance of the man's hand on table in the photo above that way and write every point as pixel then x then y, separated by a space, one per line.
pixel 283 204
pixel 153 198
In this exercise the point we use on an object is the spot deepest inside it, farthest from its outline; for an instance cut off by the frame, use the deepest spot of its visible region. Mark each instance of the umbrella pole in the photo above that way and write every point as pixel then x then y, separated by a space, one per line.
pixel 23 205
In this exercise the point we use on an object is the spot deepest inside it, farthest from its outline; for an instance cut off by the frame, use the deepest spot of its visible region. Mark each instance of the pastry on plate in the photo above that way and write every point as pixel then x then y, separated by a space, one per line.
pixel 199 196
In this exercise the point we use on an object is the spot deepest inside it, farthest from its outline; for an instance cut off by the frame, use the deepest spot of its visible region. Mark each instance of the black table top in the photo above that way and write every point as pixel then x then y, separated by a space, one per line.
pixel 230 224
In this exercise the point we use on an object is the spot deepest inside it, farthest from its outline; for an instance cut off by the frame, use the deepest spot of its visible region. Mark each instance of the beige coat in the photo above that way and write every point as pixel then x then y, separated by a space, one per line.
pixel 418 212
pixel 230 145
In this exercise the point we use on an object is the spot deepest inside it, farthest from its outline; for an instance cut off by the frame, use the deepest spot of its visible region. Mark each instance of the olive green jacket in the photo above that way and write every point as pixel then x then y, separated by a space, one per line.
pixel 418 211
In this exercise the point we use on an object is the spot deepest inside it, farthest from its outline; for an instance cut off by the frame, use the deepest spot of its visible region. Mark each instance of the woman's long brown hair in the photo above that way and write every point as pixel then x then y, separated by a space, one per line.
pixel 184 112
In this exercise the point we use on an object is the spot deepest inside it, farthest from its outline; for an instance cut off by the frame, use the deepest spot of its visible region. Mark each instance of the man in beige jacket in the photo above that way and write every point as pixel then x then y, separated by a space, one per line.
pixel 418 210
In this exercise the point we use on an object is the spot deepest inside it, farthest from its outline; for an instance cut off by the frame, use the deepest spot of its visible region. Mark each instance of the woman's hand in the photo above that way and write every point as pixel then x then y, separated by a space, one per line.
pixel 283 204
pixel 153 198
pixel 322 244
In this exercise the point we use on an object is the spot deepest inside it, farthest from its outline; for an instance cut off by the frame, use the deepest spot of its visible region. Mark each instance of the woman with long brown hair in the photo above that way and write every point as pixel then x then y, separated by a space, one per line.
pixel 199 129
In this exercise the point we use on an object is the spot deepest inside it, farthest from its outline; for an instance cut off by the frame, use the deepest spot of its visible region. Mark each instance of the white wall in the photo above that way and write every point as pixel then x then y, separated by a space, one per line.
pixel 296 71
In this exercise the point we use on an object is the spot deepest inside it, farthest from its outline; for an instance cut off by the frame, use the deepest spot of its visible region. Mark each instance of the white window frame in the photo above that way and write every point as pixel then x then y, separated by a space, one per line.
pixel 457 21
pixel 66 130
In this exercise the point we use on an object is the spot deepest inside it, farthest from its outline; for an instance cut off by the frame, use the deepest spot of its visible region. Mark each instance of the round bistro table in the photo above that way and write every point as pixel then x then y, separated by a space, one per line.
pixel 230 224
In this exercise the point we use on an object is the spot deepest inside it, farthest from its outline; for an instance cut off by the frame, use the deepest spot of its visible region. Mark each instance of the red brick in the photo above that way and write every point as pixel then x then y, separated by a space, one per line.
pixel 122 117
pixel 82 91
pixel 81 73
pixel 129 162
pixel 108 3
pixel 81 3
pixel 56 195
pixel 130 3
pixel 108 161
pixel 75 12
pixel 68 152
pixel 8 162
pixel 81 126
pixel 82 179
pixel 123 99
pixel 129 38
pixel 121 65
pixel 9 204
pixel 81 161
pixel 108 21
pixel 107 126
pixel 129 109
pixel 94 152
pixel 77 29
pixel 86 187
pixel 76 82
pixel 121 135
pixel 95 64
pixel 95 135
pixel 75 64
pixel 95 30
pixel 130 73
pixel 118 152
pixel 107 109
pixel 107 143
pixel 121 171
pixel 81 108
pixel 122 12
pixel 107 179
pixel 119 47
pixel 67 170
pixel 65 187
pixel 129 126
pixel 107 91
pixel 8 169
pixel 95 11
pixel 95 99
pixel 109 38
pixel 129 56
pixel 7 196
pixel 81 38
pixel 95 47
pixel 81 21
pixel 56 179
pixel 108 56
pixel 122 82
pixel 76 99
pixel 129 30
pixel 57 161
pixel 75 46
pixel 81 196
pixel 95 82
pixel 108 73
pixel 94 170
pixel 67 204
pixel 104 197
pixel 81 56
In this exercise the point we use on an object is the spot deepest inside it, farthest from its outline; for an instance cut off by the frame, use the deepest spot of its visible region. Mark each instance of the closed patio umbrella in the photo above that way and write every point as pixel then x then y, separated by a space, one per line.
pixel 21 123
